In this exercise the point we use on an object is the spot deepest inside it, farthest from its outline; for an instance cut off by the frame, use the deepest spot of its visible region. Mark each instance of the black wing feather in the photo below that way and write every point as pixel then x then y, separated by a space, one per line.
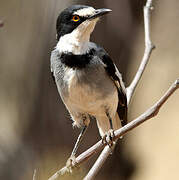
pixel 53 77
pixel 114 74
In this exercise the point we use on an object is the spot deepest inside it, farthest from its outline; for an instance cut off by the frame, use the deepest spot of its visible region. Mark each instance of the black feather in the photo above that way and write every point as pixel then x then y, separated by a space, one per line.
pixel 53 77
pixel 111 70
pixel 77 61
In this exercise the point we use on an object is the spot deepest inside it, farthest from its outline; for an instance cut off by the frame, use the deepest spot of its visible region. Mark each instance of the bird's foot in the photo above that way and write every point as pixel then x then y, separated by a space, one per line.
pixel 70 164
pixel 108 138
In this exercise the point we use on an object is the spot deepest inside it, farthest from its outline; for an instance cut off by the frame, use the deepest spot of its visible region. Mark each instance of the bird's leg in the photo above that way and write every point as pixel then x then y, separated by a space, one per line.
pixel 110 134
pixel 71 161
pixel 83 130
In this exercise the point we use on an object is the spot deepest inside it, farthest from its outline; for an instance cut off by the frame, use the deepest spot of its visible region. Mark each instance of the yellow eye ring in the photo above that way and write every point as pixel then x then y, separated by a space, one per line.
pixel 75 18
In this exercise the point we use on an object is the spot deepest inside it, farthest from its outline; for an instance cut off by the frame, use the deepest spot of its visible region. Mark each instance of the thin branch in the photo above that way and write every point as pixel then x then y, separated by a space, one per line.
pixel 150 113
pixel 148 50
pixel 99 163
pixel 34 175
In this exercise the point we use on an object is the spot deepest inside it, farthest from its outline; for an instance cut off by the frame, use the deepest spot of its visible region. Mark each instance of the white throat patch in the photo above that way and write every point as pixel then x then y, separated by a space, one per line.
pixel 77 42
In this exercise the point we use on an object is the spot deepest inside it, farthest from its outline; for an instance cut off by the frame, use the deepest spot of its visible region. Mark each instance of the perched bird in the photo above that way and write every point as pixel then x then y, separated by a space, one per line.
pixel 88 81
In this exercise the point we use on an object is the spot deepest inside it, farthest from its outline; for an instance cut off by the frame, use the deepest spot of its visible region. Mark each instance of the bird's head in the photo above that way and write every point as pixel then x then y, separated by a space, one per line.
pixel 78 22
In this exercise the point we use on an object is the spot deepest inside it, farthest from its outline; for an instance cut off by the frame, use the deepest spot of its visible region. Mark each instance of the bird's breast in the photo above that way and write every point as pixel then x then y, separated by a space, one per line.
pixel 88 88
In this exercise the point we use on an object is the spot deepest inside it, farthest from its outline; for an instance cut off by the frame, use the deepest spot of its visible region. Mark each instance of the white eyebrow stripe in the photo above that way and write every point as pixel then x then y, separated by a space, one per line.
pixel 85 11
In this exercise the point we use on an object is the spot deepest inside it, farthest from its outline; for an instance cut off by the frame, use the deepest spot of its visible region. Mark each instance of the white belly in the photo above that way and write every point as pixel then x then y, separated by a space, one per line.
pixel 90 96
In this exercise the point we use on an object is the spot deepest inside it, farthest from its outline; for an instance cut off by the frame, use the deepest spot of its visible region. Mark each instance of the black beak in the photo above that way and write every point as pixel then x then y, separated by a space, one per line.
pixel 99 13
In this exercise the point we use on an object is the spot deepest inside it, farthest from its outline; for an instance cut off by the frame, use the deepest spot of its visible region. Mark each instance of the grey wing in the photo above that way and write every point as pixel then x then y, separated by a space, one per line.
pixel 57 69
pixel 53 59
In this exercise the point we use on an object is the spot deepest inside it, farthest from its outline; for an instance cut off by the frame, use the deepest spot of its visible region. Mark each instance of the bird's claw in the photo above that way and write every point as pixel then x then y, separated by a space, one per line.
pixel 108 138
pixel 71 163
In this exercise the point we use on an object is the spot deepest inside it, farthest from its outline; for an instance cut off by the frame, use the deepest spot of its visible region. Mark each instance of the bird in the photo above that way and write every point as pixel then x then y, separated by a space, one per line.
pixel 89 83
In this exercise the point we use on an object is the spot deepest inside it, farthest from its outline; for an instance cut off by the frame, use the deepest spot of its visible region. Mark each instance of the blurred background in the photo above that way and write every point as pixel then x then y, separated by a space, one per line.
pixel 35 128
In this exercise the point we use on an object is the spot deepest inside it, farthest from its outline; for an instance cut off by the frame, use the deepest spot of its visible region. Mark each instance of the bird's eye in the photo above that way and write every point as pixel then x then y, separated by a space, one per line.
pixel 75 18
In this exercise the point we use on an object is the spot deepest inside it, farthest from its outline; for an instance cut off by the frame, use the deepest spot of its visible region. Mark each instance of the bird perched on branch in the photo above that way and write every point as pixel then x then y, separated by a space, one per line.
pixel 88 82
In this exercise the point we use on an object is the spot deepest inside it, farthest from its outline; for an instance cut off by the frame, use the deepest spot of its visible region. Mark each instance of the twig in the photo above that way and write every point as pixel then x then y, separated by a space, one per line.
pixel 148 50
pixel 130 90
pixel 150 113
pixel 34 175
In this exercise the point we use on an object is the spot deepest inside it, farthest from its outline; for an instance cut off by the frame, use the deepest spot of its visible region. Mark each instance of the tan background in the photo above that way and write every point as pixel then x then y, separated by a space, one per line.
pixel 35 130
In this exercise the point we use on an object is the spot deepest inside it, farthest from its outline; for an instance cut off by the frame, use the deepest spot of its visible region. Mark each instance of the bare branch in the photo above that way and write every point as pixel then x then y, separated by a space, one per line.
pixel 150 113
pixel 34 175
pixel 99 163
pixel 148 50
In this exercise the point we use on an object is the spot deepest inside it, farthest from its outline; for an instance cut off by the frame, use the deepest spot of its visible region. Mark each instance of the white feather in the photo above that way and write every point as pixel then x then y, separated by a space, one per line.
pixel 77 42
pixel 85 11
